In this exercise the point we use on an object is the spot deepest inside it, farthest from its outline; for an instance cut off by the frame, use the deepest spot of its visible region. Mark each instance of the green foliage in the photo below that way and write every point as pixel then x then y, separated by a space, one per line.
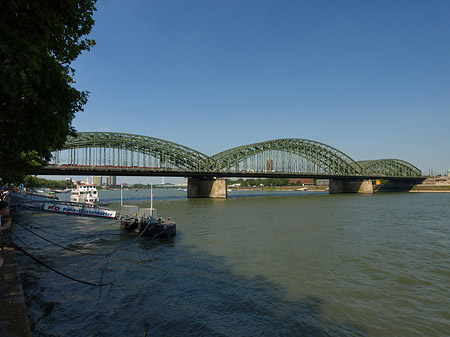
pixel 261 182
pixel 39 39
pixel 31 181
pixel 140 186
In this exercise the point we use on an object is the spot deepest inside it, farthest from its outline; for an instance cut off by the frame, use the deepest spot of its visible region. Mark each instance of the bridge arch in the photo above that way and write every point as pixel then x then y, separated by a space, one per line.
pixel 290 155
pixel 129 150
pixel 389 167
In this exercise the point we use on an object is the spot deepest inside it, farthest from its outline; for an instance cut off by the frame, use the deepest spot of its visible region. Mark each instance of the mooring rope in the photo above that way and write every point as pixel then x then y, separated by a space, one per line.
pixel 15 235
pixel 35 225
pixel 106 255
pixel 39 227
pixel 59 272
pixel 56 244
pixel 49 267
pixel 141 233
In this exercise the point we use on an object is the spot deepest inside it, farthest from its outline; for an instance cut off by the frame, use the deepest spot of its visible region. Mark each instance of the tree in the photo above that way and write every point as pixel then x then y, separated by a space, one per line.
pixel 30 181
pixel 38 41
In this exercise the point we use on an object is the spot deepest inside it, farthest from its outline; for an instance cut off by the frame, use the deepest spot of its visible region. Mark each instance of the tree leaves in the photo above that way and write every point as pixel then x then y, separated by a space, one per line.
pixel 39 40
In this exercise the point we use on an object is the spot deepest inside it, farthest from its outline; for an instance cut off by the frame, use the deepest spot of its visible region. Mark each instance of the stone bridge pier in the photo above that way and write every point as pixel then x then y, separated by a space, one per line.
pixel 350 186
pixel 207 188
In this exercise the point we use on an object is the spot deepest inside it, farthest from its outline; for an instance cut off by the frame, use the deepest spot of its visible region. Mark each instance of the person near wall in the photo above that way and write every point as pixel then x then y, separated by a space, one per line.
pixel 3 193
pixel 5 221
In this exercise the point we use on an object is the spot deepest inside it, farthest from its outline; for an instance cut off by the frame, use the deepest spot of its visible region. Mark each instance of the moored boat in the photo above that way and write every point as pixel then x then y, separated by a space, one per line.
pixel 85 193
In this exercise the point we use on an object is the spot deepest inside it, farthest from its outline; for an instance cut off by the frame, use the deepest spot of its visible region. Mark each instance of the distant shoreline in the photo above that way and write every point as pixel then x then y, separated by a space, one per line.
pixel 415 189
pixel 431 188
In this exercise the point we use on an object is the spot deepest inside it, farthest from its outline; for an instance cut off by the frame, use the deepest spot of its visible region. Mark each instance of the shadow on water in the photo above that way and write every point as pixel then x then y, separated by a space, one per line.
pixel 256 193
pixel 233 194
pixel 162 288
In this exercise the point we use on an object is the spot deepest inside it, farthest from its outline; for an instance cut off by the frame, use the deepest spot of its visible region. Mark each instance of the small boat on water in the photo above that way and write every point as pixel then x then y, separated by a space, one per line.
pixel 85 193
pixel 151 227
pixel 46 193
pixel 146 222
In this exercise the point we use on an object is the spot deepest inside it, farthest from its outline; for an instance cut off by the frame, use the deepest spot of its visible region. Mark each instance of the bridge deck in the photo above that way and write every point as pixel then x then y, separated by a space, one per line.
pixel 99 171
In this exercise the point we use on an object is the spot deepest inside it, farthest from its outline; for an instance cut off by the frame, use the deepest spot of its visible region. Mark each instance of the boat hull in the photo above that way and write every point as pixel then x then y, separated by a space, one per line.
pixel 160 229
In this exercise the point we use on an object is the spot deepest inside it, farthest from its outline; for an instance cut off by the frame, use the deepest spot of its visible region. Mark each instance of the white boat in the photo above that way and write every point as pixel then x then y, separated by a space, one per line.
pixel 84 193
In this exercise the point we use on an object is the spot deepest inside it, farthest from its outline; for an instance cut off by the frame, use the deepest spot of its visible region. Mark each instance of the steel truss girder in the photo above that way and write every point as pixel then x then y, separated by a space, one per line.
pixel 325 157
pixel 178 155
pixel 389 167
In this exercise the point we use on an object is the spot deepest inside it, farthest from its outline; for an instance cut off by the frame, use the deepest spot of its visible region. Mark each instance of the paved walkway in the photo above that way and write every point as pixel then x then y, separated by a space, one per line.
pixel 13 311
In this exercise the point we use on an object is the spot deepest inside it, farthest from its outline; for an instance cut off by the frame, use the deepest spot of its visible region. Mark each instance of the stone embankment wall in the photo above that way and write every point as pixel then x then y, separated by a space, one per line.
pixel 13 311
pixel 437 181
pixel 434 184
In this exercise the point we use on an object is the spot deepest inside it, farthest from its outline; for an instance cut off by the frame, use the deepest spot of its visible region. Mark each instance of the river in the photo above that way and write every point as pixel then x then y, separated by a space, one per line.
pixel 255 264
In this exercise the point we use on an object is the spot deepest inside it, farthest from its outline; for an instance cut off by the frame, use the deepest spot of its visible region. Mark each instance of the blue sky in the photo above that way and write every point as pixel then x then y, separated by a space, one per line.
pixel 370 78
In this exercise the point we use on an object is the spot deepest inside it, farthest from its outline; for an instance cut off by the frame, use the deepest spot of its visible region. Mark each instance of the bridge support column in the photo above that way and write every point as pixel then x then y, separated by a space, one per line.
pixel 350 186
pixel 396 186
pixel 207 188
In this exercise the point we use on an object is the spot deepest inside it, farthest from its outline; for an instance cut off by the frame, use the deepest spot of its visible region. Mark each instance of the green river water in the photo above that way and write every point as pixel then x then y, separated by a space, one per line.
pixel 255 264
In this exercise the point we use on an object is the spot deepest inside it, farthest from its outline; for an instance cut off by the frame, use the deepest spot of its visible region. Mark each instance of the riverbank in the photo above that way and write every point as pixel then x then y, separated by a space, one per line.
pixel 417 188
pixel 431 188
pixel 13 311
pixel 433 184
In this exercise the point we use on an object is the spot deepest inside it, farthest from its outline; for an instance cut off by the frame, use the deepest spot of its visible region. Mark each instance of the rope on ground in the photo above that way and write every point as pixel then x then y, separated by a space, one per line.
pixel 59 272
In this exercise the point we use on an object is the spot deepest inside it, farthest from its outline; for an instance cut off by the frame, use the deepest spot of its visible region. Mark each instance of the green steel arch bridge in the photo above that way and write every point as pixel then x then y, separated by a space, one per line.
pixel 121 154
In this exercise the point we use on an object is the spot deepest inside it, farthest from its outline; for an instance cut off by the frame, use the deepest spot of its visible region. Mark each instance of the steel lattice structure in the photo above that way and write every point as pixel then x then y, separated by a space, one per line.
pixel 288 156
pixel 389 167
pixel 113 151
pixel 128 150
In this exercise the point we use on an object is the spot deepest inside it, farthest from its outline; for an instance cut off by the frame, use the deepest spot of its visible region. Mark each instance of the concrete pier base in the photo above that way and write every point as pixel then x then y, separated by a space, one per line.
pixel 207 188
pixel 350 186
pixel 396 186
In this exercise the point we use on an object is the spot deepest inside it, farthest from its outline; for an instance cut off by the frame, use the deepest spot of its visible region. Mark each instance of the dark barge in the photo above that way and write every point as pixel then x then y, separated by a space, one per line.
pixel 150 227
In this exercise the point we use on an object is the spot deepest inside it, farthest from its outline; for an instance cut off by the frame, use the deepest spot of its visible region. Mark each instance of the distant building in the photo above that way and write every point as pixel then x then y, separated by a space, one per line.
pixel 184 183
pixel 111 180
pixel 97 180
pixel 301 181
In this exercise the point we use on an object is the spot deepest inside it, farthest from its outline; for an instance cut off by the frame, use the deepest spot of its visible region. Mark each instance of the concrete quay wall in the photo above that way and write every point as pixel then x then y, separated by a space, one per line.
pixel 13 311
pixel 436 181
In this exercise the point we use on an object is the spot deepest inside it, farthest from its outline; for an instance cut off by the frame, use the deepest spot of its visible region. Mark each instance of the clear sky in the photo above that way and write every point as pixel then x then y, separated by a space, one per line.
pixel 370 78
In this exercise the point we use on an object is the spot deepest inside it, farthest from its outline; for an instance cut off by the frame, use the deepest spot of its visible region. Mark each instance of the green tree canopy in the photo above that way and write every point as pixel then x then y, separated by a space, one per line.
pixel 38 41
pixel 30 181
